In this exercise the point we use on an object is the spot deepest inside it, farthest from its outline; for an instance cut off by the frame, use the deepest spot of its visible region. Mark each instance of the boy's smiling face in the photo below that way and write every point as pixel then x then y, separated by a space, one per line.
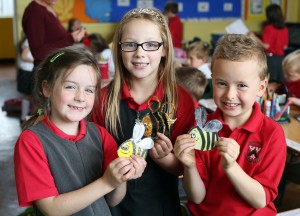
pixel 235 88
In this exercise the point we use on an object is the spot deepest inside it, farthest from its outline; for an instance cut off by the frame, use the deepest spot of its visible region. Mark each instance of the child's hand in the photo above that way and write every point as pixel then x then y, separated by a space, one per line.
pixel 229 150
pixel 139 165
pixel 162 147
pixel 184 149
pixel 118 171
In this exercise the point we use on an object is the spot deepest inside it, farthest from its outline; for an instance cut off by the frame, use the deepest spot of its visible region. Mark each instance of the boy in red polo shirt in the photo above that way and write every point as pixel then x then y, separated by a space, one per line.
pixel 240 175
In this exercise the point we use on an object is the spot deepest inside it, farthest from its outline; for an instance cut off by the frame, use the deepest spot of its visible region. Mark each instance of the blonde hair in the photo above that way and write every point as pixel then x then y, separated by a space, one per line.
pixel 166 70
pixel 237 47
pixel 292 59
pixel 199 49
pixel 192 80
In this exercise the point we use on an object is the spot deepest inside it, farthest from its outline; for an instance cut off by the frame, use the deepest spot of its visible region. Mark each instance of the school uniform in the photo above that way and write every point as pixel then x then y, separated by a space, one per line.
pixel 262 156
pixel 176 30
pixel 49 162
pixel 156 191
pixel 293 87
pixel 278 39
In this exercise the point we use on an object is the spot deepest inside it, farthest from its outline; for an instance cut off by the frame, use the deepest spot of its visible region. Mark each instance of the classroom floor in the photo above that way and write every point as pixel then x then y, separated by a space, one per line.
pixel 10 129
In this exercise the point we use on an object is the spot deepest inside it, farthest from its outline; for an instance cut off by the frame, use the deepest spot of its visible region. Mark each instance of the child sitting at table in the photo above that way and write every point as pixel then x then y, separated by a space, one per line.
pixel 197 57
pixel 192 80
pixel 291 71
pixel 240 175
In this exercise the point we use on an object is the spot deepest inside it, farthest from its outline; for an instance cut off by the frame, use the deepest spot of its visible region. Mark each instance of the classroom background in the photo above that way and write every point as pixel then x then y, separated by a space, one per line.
pixel 202 19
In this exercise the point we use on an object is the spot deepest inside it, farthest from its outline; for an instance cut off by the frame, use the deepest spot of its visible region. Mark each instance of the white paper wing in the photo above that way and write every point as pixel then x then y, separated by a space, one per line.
pixel 146 143
pixel 138 132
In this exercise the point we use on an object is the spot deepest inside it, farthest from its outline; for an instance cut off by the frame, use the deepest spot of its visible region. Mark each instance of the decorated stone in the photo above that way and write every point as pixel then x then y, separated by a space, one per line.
pixel 205 135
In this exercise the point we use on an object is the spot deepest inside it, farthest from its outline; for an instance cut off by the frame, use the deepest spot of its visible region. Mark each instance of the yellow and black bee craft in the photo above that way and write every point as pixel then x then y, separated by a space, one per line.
pixel 205 134
pixel 136 145
pixel 159 119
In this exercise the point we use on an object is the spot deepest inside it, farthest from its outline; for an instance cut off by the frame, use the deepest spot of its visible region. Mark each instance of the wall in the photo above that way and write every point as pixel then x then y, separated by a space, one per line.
pixel 202 29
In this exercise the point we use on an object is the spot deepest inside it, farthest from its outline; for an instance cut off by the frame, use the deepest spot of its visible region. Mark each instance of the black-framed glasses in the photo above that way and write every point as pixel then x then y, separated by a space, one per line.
pixel 147 46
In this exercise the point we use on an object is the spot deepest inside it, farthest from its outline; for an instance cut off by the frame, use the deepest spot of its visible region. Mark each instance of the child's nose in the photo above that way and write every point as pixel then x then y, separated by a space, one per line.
pixel 80 96
pixel 231 92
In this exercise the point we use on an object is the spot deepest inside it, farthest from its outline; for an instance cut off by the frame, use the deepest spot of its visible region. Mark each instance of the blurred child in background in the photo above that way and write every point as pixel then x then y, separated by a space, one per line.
pixel 192 80
pixel 74 24
pixel 198 56
pixel 101 50
pixel 25 76
pixel 291 71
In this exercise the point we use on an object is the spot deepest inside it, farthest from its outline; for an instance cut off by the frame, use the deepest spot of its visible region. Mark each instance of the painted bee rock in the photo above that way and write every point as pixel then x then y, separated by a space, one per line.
pixel 136 145
pixel 205 135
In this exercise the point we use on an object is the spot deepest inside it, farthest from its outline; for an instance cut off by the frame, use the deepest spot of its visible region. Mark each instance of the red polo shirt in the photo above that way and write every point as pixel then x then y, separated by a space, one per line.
pixel 262 157
pixel 294 89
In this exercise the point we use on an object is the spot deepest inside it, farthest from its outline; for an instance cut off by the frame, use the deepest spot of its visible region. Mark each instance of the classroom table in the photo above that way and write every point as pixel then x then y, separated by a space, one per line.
pixel 292 131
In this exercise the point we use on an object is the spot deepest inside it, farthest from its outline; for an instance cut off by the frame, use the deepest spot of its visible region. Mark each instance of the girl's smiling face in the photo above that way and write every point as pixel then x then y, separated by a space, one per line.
pixel 142 64
pixel 73 99
pixel 235 88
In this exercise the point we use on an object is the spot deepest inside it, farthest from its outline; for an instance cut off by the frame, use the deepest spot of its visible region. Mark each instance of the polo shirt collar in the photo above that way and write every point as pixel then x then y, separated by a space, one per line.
pixel 60 133
pixel 254 123
pixel 157 95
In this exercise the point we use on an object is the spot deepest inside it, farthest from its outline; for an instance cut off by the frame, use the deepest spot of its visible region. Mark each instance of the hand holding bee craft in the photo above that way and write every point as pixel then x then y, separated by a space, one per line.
pixel 205 134
pixel 136 145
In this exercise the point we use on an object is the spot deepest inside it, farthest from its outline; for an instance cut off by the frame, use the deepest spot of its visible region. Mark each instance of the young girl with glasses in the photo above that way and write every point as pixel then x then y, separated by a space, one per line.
pixel 145 90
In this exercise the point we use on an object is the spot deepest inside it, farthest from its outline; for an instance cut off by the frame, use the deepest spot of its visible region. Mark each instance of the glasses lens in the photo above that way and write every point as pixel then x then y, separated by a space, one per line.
pixel 128 46
pixel 151 46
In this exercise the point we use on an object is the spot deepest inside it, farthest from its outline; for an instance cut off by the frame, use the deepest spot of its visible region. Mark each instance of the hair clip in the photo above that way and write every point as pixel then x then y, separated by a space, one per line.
pixel 56 56
pixel 40 111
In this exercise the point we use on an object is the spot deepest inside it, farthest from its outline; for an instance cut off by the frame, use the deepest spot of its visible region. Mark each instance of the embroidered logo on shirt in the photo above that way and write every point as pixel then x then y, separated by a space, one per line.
pixel 252 154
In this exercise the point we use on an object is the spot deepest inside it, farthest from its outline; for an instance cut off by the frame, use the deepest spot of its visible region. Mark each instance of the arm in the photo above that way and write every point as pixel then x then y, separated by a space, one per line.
pixel 115 197
pixel 118 171
pixel 248 188
pixel 24 55
pixel 295 101
pixel 184 150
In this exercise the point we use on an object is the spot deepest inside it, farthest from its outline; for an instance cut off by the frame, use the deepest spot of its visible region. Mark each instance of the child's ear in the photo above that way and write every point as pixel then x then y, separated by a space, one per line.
pixel 46 89
pixel 262 87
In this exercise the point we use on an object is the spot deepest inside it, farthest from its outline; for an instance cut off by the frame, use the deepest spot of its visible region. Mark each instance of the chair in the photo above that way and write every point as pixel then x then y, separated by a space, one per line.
pixel 291 174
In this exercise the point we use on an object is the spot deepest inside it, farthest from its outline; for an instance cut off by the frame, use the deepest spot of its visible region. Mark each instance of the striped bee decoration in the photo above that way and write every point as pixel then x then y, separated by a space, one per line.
pixel 129 148
pixel 158 120
pixel 204 140
pixel 205 134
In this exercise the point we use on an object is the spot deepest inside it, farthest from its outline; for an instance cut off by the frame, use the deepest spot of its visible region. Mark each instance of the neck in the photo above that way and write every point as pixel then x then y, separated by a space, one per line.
pixel 142 91
pixel 47 6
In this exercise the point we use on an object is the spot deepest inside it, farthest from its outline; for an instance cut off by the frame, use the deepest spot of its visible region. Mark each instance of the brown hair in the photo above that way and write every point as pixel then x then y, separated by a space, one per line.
pixel 166 70
pixel 55 68
pixel 192 80
pixel 199 49
pixel 237 47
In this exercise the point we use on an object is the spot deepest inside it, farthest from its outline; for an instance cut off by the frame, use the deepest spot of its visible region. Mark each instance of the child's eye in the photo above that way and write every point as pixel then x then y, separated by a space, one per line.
pixel 70 86
pixel 90 91
pixel 221 83
pixel 242 85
